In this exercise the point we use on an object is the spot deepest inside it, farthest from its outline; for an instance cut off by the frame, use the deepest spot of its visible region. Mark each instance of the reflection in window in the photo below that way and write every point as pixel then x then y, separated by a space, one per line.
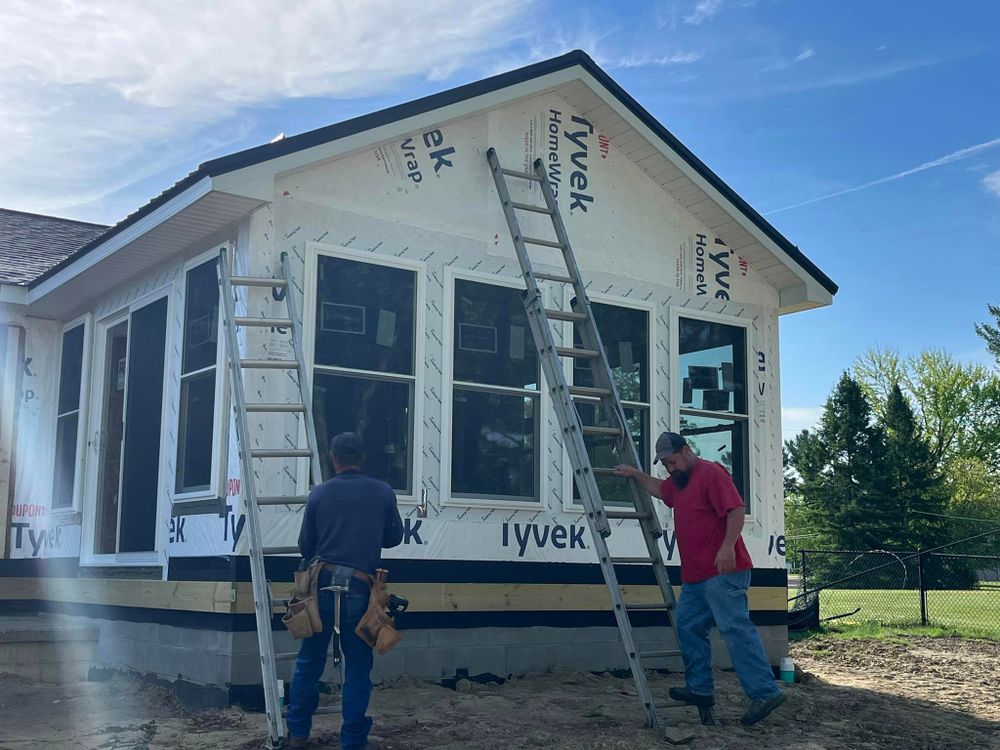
pixel 495 423
pixel 68 418
pixel 363 379
pixel 714 402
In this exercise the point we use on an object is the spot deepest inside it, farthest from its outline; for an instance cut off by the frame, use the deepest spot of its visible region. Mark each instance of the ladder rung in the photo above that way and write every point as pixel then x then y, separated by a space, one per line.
pixel 282 500
pixel 281 453
pixel 293 550
pixel 648 605
pixel 604 471
pixel 630 560
pixel 579 390
pixel 286 656
pixel 256 281
pixel 269 364
pixel 564 351
pixel 565 315
pixel 635 515
pixel 529 207
pixel 264 322
pixel 288 408
pixel 554 277
pixel 520 175
pixel 543 243
pixel 327 710
pixel 607 431
pixel 658 654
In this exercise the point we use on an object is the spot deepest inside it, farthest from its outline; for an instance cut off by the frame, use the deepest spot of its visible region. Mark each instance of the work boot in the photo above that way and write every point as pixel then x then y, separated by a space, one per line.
pixel 759 709
pixel 297 743
pixel 686 696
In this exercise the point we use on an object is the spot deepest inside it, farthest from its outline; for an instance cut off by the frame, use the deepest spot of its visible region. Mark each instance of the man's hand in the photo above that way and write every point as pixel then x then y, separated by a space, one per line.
pixel 725 560
pixel 624 470
pixel 650 484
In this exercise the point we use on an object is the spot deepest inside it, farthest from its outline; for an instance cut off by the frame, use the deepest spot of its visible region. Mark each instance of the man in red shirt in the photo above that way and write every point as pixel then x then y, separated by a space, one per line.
pixel 715 575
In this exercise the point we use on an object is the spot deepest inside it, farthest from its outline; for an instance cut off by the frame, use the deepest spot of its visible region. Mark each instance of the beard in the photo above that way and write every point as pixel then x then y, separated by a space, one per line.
pixel 680 479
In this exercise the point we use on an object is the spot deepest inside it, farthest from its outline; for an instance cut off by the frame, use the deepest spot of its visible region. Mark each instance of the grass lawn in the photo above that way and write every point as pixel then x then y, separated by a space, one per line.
pixel 974 613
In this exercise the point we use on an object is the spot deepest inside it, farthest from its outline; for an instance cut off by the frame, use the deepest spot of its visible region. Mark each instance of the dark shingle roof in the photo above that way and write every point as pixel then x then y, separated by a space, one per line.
pixel 31 244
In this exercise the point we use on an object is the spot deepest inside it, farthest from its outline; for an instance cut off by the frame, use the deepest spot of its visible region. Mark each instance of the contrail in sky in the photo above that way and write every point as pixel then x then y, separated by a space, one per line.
pixel 964 153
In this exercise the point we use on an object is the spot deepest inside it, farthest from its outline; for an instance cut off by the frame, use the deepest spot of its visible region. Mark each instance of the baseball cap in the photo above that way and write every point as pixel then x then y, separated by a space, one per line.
pixel 667 444
pixel 347 444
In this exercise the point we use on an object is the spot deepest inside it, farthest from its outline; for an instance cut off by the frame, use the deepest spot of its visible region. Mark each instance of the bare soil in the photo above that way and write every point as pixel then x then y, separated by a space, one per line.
pixel 917 694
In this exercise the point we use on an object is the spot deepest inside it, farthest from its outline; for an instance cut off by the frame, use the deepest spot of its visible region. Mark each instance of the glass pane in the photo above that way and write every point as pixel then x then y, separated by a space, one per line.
pixel 713 366
pixel 66 430
pixel 195 433
pixel 625 333
pixel 112 432
pixel 70 369
pixel 603 454
pixel 365 316
pixel 381 410
pixel 493 344
pixel 723 441
pixel 494 449
pixel 201 318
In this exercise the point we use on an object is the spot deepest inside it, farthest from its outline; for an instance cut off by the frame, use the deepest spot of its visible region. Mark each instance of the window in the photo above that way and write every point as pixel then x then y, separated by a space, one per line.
pixel 625 335
pixel 196 436
pixel 714 412
pixel 68 417
pixel 495 408
pixel 363 376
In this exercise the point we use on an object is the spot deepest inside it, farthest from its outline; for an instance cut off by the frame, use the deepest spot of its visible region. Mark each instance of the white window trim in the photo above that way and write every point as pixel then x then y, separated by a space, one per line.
pixel 451 275
pixel 220 425
pixel 80 462
pixel 676 313
pixel 313 251
pixel 569 504
pixel 158 556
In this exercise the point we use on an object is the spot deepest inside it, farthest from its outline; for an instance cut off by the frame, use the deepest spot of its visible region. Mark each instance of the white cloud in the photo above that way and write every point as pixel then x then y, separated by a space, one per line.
pixel 662 61
pixel 794 419
pixel 704 10
pixel 992 183
pixel 89 90
pixel 954 156
pixel 805 55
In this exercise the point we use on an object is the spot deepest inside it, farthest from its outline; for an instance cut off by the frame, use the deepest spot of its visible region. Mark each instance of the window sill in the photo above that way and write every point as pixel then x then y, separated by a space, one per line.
pixel 66 517
pixel 471 502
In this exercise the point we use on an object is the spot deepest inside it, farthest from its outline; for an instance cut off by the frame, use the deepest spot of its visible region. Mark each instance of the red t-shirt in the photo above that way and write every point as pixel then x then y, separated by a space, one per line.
pixel 700 511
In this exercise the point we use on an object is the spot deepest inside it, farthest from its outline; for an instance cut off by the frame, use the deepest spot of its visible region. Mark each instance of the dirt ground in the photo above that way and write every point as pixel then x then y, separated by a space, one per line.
pixel 919 694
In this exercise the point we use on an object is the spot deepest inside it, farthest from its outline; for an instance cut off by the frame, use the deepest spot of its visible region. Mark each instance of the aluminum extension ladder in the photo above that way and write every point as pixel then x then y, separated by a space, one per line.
pixel 572 426
pixel 263 597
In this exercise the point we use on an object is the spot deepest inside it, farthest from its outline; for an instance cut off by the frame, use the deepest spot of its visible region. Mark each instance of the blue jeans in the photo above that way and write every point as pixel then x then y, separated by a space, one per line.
pixel 311 662
pixel 722 601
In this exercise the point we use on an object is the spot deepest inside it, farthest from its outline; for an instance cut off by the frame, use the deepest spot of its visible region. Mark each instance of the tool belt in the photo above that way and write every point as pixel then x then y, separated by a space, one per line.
pixel 377 627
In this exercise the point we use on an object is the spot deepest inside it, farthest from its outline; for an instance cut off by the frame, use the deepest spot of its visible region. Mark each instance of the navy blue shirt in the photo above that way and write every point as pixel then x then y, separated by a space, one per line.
pixel 349 519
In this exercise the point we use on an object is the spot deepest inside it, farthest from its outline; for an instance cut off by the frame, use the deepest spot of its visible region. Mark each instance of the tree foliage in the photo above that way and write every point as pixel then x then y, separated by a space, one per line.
pixel 990 332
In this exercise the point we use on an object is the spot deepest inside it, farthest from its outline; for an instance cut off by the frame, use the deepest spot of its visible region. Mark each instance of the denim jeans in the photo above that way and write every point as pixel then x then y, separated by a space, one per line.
pixel 309 666
pixel 722 601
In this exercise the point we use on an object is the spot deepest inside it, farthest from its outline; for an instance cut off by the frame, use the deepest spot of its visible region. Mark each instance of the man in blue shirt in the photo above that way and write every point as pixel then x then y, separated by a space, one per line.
pixel 348 521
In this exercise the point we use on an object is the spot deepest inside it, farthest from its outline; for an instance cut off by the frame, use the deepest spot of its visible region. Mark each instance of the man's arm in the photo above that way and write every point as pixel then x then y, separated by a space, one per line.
pixel 650 484
pixel 307 532
pixel 725 559
pixel 392 535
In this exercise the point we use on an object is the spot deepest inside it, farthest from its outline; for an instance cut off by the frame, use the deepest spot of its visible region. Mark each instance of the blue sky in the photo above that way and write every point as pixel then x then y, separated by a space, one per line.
pixel 867 132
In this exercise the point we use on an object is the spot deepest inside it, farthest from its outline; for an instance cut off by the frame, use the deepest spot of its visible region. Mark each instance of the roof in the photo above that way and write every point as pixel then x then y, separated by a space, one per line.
pixel 31 244
pixel 320 136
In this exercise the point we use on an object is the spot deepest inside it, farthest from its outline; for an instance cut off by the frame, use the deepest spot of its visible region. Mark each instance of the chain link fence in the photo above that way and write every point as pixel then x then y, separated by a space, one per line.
pixel 899 588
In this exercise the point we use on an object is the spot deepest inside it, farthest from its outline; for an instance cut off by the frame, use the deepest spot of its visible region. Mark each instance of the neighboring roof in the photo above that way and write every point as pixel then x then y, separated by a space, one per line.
pixel 310 139
pixel 31 244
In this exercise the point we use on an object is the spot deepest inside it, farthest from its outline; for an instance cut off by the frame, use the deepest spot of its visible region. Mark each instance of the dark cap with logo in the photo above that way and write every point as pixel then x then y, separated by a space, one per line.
pixel 667 444
pixel 347 444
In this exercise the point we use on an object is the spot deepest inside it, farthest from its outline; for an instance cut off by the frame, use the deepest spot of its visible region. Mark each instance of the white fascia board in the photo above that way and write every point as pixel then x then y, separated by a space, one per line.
pixel 805 296
pixel 12 294
pixel 257 180
pixel 692 174
pixel 169 209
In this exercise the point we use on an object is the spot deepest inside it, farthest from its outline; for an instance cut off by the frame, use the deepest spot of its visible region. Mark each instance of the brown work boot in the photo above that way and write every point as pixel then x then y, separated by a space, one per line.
pixel 297 742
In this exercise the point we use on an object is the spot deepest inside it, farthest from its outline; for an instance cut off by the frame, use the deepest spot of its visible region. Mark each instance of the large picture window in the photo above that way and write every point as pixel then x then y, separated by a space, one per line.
pixel 363 377
pixel 495 409
pixel 196 436
pixel 714 410
pixel 68 417
pixel 625 335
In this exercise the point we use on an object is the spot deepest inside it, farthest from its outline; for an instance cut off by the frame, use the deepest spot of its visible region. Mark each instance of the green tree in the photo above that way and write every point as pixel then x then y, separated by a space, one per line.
pixel 991 332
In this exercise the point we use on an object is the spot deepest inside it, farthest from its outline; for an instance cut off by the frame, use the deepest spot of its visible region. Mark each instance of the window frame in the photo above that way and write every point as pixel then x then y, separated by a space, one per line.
pixel 569 503
pixel 451 276
pixel 158 556
pixel 220 425
pixel 83 412
pixel 313 251
pixel 676 313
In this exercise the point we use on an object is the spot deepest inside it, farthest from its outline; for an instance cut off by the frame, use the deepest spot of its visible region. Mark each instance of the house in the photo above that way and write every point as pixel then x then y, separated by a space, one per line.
pixel 122 485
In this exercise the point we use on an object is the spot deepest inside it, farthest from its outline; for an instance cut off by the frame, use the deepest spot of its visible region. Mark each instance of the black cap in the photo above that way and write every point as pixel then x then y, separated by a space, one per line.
pixel 667 444
pixel 347 444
